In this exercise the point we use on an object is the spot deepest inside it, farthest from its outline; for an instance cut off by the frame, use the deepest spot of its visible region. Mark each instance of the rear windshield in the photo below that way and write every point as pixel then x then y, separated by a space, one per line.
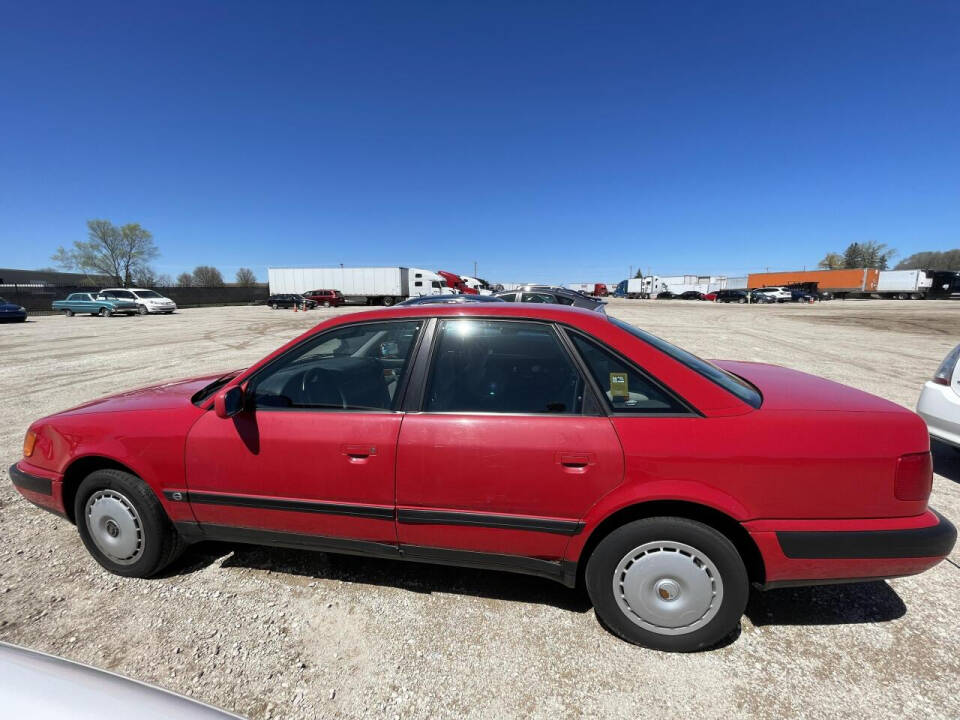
pixel 729 382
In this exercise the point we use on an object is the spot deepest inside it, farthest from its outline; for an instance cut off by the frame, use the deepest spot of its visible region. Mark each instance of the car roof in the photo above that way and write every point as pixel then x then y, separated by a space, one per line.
pixel 521 311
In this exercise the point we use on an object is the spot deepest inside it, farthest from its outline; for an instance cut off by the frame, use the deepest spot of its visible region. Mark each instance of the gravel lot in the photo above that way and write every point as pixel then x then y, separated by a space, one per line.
pixel 277 633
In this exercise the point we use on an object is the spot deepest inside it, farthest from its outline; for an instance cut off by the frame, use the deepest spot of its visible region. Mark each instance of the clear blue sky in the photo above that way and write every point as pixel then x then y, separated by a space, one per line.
pixel 546 141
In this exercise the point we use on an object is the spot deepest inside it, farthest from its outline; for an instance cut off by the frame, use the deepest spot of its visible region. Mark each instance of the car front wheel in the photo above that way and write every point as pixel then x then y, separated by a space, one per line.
pixel 668 583
pixel 123 525
pixel 68 313
pixel 143 310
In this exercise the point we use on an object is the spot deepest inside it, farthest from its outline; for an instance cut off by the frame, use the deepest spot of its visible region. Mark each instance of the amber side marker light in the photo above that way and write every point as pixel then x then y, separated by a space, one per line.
pixel 28 442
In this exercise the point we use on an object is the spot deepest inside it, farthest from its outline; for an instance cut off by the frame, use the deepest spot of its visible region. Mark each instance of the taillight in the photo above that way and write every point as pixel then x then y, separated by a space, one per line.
pixel 914 478
pixel 29 442
pixel 944 373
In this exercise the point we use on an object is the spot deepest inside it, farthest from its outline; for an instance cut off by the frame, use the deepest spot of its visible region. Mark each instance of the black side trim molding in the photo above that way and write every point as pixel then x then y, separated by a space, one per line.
pixel 325 508
pixel 564 572
pixel 25 481
pixel 933 541
pixel 508 522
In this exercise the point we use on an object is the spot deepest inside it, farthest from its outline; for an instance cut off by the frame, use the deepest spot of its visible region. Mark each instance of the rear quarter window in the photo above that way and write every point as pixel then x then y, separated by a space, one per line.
pixel 729 382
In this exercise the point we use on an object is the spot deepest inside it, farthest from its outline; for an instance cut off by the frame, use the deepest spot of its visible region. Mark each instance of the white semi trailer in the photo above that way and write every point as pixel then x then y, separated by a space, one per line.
pixel 904 284
pixel 378 285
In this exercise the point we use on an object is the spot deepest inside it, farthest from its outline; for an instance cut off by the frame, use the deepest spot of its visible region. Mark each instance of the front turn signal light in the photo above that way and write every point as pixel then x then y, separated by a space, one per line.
pixel 28 442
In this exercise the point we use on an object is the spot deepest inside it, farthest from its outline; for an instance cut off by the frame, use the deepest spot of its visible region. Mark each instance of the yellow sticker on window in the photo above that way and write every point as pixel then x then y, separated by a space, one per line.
pixel 618 385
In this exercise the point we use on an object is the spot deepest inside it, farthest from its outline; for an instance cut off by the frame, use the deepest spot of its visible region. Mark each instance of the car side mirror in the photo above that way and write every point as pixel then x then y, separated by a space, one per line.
pixel 229 402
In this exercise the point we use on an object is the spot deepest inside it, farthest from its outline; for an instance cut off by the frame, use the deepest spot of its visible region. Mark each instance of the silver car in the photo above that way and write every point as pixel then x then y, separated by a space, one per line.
pixel 43 687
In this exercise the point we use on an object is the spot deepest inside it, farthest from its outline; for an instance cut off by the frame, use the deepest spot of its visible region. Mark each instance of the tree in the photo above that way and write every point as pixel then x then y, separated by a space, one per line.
pixel 207 276
pixel 246 277
pixel 831 261
pixel 109 250
pixel 184 279
pixel 931 260
pixel 145 277
pixel 639 273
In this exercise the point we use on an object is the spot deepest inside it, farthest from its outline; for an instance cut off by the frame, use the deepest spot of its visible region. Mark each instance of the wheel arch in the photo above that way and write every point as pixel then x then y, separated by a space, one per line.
pixel 80 469
pixel 710 516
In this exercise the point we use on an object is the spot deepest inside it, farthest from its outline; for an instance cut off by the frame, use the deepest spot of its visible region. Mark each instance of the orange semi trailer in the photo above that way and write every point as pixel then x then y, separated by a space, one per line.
pixel 835 281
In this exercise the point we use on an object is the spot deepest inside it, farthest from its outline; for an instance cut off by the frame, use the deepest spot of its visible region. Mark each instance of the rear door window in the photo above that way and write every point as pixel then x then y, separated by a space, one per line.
pixel 499 366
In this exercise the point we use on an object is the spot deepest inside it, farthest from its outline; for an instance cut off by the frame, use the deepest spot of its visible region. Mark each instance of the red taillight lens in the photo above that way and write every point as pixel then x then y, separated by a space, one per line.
pixel 914 478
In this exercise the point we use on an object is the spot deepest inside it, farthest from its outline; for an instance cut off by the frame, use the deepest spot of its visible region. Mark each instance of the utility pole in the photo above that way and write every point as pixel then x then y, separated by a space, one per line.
pixel 475 268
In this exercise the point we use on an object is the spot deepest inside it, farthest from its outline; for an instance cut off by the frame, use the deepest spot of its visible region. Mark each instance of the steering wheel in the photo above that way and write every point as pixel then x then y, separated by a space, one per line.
pixel 313 379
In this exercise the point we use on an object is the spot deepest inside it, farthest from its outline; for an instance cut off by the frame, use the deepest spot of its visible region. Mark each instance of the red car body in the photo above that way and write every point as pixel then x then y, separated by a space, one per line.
pixel 710 296
pixel 821 483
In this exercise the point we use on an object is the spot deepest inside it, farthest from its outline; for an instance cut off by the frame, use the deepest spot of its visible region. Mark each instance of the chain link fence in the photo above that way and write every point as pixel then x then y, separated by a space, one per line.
pixel 37 298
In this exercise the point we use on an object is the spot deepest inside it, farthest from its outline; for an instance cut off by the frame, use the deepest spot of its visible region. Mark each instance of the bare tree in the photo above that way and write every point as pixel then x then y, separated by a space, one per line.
pixel 246 277
pixel 831 261
pixel 109 250
pixel 207 276
pixel 184 279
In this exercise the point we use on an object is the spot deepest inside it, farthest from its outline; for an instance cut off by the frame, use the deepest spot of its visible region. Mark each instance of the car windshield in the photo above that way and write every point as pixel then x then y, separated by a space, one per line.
pixel 728 381
pixel 147 294
pixel 4 300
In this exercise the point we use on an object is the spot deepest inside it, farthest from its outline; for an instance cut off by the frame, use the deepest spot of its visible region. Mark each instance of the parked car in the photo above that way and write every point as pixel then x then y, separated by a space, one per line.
pixel 710 296
pixel 939 402
pixel 691 295
pixel 11 312
pixel 824 295
pixel 552 295
pixel 665 483
pixel 95 304
pixel 735 296
pixel 666 295
pixel 450 299
pixel 780 294
pixel 802 296
pixel 761 298
pixel 325 298
pixel 289 300
pixel 148 301
pixel 44 687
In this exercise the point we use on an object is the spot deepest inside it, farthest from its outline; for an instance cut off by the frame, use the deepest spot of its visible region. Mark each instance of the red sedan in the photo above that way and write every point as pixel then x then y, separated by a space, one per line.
pixel 537 439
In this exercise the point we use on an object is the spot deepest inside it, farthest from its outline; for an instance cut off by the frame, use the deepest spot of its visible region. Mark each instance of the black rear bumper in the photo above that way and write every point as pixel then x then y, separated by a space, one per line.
pixel 934 541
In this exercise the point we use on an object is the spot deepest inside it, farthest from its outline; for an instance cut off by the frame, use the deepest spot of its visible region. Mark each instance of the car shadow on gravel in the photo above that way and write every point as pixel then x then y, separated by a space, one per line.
pixel 946 460
pixel 303 566
pixel 845 604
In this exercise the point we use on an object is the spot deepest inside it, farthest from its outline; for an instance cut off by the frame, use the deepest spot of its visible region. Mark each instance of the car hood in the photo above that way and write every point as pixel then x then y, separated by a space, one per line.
pixel 786 389
pixel 164 396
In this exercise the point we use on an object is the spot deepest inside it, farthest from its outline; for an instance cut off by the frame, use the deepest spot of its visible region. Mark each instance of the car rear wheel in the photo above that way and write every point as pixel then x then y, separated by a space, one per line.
pixel 123 525
pixel 388 301
pixel 668 583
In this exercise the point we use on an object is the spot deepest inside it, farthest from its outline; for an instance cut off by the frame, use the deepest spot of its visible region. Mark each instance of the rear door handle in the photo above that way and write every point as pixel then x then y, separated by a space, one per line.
pixel 358 453
pixel 575 462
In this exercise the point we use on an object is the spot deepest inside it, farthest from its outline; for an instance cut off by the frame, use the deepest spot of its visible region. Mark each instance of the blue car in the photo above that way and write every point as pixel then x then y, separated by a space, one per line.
pixel 11 312
pixel 94 304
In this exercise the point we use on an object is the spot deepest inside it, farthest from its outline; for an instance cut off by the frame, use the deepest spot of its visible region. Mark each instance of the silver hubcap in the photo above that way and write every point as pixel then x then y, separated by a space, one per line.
pixel 668 587
pixel 114 524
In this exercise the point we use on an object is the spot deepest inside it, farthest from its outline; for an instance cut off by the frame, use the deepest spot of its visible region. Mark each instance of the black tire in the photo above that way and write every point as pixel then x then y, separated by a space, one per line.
pixel 68 313
pixel 326 303
pixel 105 312
pixel 741 301
pixel 713 626
pixel 159 543
pixel 274 306
pixel 388 301
pixel 142 310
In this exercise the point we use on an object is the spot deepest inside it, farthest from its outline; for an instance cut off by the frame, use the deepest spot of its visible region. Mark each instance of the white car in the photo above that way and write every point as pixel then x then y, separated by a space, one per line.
pixel 150 301
pixel 780 294
pixel 939 402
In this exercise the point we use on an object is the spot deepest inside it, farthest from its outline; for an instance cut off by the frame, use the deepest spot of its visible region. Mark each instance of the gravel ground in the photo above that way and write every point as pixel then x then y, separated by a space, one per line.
pixel 275 633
